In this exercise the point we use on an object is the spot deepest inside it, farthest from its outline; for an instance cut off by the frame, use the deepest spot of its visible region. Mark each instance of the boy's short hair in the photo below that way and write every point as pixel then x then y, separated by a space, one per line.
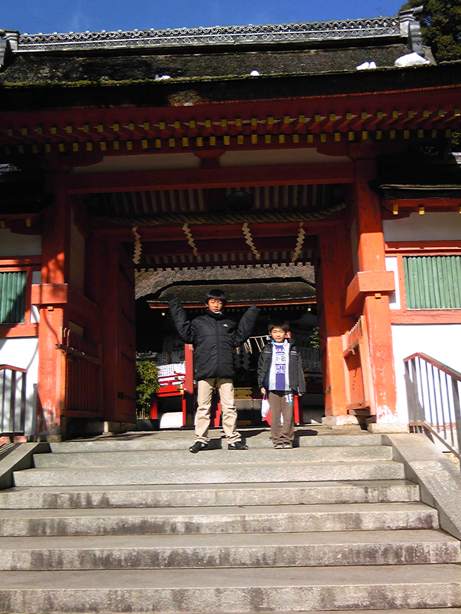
pixel 217 294
pixel 285 326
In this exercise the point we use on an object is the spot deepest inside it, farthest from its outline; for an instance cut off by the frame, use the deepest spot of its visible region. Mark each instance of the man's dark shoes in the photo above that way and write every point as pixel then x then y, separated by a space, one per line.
pixel 198 446
pixel 238 445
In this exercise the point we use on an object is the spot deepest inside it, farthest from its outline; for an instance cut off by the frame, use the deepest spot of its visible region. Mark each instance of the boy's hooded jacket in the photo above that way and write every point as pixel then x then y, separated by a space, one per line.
pixel 295 368
pixel 214 337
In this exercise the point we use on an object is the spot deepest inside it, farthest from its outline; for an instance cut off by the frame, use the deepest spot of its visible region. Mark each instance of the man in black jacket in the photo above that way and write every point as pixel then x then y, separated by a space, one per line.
pixel 214 338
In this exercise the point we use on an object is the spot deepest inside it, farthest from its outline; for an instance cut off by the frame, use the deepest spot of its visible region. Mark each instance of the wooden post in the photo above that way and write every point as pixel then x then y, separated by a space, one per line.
pixel 371 257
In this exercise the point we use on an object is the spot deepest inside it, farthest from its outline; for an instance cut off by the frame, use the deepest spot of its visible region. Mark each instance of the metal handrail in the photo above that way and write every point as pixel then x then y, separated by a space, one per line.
pixel 12 368
pixel 433 394
pixel 12 408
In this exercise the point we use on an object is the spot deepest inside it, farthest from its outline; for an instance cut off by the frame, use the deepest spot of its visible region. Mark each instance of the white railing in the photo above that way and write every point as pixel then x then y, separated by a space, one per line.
pixel 433 394
pixel 13 387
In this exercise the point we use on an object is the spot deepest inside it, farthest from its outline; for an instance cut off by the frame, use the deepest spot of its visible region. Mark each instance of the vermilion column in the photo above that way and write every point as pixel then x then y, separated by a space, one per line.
pixel 371 257
pixel 335 272
pixel 52 325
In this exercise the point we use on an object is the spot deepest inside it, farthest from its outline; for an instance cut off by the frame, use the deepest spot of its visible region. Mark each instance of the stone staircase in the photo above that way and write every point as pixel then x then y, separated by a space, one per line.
pixel 137 524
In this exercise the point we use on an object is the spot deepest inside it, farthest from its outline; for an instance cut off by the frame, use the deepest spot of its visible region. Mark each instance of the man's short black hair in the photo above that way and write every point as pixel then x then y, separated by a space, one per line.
pixel 285 326
pixel 217 294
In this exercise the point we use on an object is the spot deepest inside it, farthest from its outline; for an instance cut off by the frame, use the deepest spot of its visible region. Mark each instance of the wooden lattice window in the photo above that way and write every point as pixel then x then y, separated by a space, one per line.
pixel 433 282
pixel 13 286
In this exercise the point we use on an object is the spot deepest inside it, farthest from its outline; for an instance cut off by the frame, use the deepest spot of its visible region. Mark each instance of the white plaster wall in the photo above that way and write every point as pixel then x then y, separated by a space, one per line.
pixel 441 341
pixel 13 244
pixel 23 352
pixel 429 227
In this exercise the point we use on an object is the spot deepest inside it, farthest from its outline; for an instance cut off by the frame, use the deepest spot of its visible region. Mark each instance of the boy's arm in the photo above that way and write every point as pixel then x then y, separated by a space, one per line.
pixel 179 316
pixel 246 325
pixel 261 371
pixel 301 379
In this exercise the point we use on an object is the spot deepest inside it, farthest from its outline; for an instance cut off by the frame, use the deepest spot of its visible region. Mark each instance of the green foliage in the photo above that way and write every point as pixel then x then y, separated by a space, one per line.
pixel 147 375
pixel 441 26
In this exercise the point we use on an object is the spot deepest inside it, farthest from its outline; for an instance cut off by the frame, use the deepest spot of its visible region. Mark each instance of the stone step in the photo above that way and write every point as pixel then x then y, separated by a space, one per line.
pixel 214 474
pixel 231 550
pixel 180 440
pixel 392 611
pixel 68 497
pixel 167 458
pixel 241 519
pixel 224 590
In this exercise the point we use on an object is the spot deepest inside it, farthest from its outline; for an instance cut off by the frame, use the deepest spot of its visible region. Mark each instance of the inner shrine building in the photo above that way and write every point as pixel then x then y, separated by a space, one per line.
pixel 259 156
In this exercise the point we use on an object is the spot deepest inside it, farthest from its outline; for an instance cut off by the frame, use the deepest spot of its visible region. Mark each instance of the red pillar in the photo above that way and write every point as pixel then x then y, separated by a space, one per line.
pixel 371 258
pixel 52 325
pixel 335 272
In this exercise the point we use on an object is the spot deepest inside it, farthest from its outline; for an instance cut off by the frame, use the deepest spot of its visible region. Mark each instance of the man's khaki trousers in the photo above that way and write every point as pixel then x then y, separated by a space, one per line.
pixel 205 389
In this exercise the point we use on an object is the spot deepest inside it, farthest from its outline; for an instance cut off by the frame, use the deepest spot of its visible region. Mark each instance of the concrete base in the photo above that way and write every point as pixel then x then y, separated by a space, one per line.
pixel 335 421
pixel 118 427
pixel 388 427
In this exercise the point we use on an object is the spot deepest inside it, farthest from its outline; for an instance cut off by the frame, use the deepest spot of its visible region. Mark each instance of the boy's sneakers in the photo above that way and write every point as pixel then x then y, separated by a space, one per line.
pixel 278 446
pixel 238 445
pixel 283 446
pixel 198 446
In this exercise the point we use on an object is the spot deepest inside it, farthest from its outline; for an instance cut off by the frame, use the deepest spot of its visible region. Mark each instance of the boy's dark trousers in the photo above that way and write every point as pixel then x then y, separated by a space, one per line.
pixel 281 433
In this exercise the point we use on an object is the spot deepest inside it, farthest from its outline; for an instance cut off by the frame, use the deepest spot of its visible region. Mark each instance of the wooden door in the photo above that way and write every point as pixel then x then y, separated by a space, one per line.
pixel 125 409
pixel 119 334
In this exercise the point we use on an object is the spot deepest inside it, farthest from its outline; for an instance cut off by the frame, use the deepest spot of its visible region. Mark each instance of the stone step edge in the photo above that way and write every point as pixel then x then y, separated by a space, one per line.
pixel 418 611
pixel 224 540
pixel 245 550
pixel 400 586
pixel 110 497
pixel 367 483
pixel 210 511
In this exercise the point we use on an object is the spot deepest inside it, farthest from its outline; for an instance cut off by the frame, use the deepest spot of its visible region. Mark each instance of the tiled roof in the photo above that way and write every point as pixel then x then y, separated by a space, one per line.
pixel 218 35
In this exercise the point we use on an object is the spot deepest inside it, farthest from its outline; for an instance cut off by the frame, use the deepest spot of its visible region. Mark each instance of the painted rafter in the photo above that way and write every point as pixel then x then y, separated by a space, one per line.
pixel 273 123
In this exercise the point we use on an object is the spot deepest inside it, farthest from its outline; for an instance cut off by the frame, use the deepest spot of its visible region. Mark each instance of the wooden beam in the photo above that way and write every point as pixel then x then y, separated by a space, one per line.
pixel 365 283
pixel 181 179
pixel 173 231
pixel 18 330
pixel 430 203
pixel 49 294
pixel 263 303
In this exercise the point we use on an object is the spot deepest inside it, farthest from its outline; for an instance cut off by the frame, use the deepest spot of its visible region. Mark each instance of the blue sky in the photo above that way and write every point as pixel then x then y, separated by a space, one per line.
pixel 77 15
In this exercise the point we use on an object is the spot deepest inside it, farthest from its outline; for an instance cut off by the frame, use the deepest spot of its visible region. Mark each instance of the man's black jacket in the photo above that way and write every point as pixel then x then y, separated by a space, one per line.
pixel 295 368
pixel 214 337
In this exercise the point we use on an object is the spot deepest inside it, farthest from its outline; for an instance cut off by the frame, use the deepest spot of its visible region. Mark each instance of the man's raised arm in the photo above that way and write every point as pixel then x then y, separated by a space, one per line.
pixel 179 316
pixel 246 325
